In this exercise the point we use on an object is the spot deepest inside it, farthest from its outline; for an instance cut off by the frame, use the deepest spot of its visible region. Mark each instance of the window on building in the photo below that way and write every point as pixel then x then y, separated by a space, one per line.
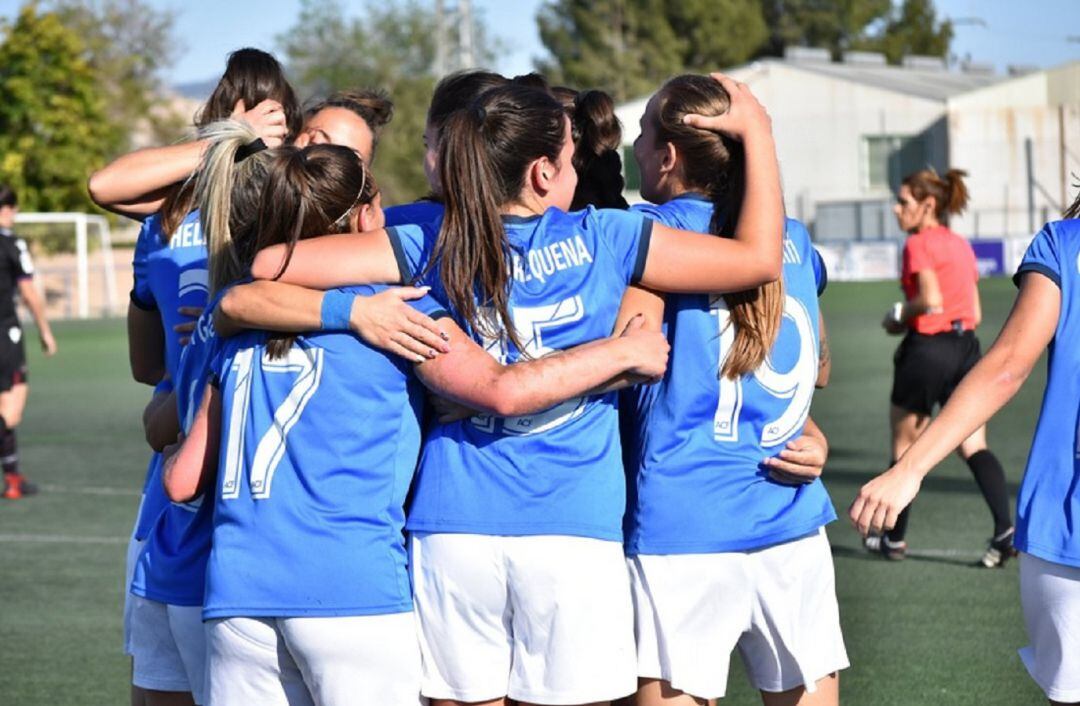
pixel 630 169
pixel 889 158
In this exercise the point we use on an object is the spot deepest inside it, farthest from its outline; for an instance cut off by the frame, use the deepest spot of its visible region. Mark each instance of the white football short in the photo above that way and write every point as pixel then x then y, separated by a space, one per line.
pixel 168 647
pixel 333 661
pixel 777 605
pixel 543 619
pixel 134 549
pixel 1050 596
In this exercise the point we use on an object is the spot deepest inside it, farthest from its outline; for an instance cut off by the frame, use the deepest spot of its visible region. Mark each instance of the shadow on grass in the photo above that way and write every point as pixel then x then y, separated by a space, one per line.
pixel 963 559
pixel 855 468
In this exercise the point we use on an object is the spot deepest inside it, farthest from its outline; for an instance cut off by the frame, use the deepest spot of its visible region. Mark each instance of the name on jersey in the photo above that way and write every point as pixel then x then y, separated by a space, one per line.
pixel 188 235
pixel 542 263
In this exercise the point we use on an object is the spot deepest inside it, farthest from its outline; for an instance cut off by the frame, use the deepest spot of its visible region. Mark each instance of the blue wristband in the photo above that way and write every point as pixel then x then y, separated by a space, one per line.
pixel 336 308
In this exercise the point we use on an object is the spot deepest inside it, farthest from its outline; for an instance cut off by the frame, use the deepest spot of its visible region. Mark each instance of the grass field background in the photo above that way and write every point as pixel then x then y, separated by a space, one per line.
pixel 929 630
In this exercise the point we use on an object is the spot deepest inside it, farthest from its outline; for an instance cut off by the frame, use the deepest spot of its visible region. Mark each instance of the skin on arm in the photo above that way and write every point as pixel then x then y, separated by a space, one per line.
pixel 190 464
pixel 986 389
pixel 161 421
pixel 644 302
pixel 332 261
pixel 927 301
pixel 802 459
pixel 824 356
pixel 470 376
pixel 137 183
pixel 382 320
pixel 33 302
pixel 146 345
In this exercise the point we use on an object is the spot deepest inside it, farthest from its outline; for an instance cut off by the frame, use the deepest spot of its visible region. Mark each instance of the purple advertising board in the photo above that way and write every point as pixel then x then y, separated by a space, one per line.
pixel 990 257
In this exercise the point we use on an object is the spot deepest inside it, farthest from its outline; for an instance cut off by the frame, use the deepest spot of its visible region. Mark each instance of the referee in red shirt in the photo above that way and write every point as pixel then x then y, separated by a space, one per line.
pixel 938 318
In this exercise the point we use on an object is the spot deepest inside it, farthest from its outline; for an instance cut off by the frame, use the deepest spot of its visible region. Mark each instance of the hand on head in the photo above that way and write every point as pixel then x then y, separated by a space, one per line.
pixel 267 119
pixel 746 116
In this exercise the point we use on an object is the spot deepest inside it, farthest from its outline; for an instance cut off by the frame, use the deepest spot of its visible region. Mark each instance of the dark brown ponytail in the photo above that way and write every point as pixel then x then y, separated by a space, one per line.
pixel 715 165
pixel 309 192
pixel 483 153
pixel 597 139
pixel 252 76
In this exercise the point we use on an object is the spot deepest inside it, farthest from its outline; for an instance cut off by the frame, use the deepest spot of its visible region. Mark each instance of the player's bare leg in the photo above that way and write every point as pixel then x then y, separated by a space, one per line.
pixel 450 702
pixel 906 427
pixel 657 692
pixel 826 694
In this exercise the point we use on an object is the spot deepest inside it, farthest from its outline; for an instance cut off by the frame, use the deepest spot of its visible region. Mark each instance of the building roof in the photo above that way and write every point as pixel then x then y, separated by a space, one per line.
pixel 928 83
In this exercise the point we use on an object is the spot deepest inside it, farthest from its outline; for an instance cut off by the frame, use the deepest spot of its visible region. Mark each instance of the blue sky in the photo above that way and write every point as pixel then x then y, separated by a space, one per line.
pixel 1015 32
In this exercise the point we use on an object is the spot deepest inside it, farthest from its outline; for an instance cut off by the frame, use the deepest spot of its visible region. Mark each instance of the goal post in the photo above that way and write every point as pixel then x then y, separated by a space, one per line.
pixel 83 224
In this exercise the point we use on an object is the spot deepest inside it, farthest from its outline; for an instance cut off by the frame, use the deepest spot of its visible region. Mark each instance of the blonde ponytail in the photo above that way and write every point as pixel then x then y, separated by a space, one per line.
pixel 227 194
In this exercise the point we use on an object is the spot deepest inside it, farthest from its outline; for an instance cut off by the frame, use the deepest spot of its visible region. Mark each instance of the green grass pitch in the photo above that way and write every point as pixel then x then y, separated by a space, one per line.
pixel 929 630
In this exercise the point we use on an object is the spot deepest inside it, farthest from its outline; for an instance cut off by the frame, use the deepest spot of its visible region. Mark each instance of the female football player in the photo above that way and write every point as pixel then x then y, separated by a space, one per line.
pixel 513 515
pixel 170 289
pixel 306 590
pixel 726 543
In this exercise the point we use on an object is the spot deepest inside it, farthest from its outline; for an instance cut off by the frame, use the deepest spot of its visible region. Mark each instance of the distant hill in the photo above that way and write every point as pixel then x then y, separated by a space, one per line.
pixel 195 90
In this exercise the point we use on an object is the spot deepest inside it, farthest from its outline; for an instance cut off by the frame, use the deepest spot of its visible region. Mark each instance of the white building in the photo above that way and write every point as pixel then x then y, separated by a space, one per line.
pixel 848 132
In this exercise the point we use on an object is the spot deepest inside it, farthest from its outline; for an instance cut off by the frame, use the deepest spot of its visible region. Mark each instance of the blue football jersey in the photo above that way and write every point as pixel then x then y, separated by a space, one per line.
pixel 558 471
pixel 154 500
pixel 422 211
pixel 168 275
pixel 317 453
pixel 699 482
pixel 172 566
pixel 1049 499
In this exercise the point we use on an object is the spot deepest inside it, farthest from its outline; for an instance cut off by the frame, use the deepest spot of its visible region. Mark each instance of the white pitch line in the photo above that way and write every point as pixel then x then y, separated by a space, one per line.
pixel 91 490
pixel 58 539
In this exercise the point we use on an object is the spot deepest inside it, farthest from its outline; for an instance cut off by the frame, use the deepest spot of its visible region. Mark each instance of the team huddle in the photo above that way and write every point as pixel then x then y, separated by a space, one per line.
pixel 515 442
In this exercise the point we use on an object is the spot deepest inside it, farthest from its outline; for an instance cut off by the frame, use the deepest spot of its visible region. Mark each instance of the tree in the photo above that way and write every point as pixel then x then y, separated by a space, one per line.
pixel 391 47
pixel 836 25
pixel 628 47
pixel 840 25
pixel 914 29
pixel 54 127
pixel 128 44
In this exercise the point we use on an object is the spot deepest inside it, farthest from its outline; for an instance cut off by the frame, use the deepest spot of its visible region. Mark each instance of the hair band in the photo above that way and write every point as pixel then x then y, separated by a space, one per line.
pixel 245 151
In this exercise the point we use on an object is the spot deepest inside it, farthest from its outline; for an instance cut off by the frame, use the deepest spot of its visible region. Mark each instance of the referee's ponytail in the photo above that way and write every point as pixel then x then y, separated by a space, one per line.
pixel 950 193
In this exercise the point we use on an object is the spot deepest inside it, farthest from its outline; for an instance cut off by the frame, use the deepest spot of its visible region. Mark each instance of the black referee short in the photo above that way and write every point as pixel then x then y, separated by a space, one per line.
pixel 926 369
pixel 12 358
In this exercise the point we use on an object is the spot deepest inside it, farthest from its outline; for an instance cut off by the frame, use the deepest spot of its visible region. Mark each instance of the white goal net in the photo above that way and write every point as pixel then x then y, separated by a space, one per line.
pixel 79 284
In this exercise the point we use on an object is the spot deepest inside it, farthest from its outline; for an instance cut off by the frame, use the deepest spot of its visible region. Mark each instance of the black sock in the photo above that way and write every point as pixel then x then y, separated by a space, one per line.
pixel 896 534
pixel 9 452
pixel 990 477
pixel 899 530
